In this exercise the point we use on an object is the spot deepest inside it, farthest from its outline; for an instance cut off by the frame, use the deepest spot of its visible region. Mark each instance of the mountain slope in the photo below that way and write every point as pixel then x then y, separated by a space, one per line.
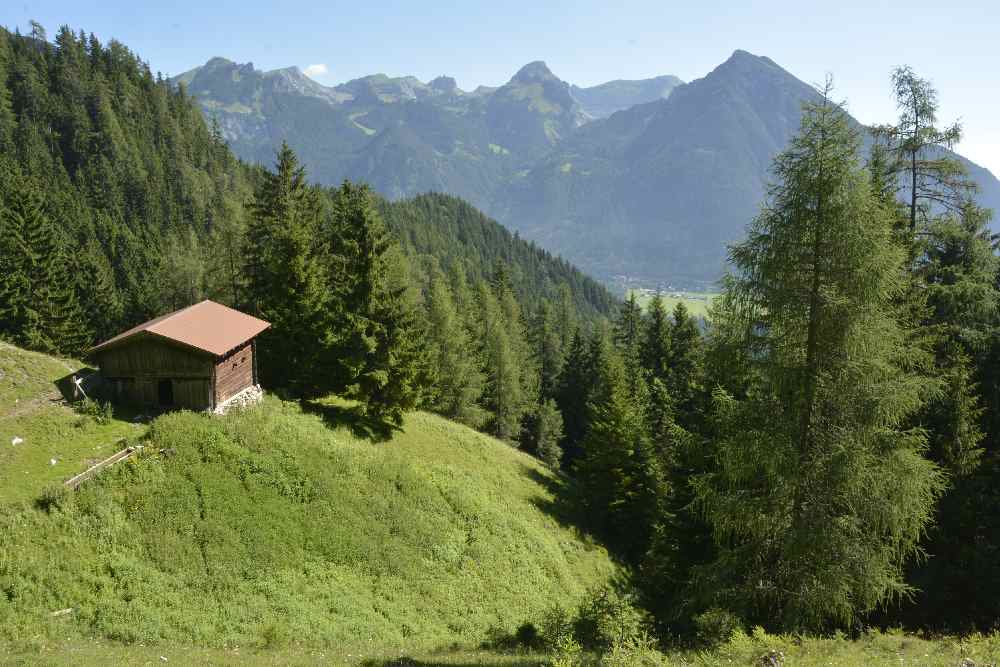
pixel 684 175
pixel 658 191
pixel 651 179
pixel 277 525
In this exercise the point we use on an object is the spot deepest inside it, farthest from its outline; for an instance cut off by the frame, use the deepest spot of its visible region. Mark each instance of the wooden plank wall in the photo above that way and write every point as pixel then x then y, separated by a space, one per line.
pixel 148 357
pixel 190 393
pixel 234 373
pixel 133 370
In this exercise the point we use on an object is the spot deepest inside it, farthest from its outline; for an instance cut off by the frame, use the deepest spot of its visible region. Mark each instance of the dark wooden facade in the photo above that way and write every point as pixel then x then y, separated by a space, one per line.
pixel 234 372
pixel 150 371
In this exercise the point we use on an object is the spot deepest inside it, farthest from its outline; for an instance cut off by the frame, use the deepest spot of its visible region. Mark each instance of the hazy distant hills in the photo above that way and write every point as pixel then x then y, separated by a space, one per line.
pixel 649 178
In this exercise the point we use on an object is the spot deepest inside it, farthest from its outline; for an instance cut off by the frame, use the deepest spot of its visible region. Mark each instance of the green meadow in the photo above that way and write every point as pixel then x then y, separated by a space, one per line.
pixel 286 525
pixel 697 303
pixel 54 442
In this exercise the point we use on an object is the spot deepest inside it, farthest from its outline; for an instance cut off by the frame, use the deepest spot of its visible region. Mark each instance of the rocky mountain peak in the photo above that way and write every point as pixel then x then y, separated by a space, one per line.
pixel 533 72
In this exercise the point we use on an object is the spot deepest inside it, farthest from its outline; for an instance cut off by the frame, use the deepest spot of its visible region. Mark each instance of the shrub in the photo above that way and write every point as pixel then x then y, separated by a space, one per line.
pixel 527 635
pixel 715 626
pixel 101 412
pixel 609 617
pixel 567 652
pixel 53 496
pixel 637 651
pixel 557 624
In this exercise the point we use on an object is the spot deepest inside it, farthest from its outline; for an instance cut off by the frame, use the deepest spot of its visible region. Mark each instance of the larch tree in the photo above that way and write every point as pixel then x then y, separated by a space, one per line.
pixel 917 150
pixel 818 492
pixel 459 381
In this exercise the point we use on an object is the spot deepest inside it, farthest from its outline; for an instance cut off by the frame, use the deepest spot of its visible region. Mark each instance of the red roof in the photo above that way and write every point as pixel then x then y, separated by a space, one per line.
pixel 206 326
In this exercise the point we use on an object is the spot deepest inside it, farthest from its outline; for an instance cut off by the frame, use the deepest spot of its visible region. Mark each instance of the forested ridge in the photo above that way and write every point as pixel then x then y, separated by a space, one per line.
pixel 821 455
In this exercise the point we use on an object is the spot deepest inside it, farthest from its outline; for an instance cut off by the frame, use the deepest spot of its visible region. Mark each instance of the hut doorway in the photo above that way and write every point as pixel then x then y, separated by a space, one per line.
pixel 165 393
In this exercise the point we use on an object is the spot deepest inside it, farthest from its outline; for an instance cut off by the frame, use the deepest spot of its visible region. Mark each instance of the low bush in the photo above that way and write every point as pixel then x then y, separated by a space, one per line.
pixel 101 412
pixel 716 626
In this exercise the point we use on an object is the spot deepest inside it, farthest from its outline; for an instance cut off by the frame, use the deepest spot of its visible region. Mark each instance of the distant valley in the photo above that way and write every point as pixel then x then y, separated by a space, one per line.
pixel 635 181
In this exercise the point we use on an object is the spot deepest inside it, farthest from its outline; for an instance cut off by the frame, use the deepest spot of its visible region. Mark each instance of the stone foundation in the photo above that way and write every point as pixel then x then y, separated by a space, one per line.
pixel 249 396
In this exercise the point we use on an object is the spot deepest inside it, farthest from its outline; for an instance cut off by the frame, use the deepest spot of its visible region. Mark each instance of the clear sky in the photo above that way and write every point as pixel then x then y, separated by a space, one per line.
pixel 585 42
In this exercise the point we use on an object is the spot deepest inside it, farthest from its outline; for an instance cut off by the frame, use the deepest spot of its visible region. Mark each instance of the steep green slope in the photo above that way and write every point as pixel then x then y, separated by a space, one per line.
pixel 278 525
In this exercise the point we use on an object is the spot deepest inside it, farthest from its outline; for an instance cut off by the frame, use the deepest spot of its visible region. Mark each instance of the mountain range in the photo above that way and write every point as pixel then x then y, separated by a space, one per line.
pixel 649 179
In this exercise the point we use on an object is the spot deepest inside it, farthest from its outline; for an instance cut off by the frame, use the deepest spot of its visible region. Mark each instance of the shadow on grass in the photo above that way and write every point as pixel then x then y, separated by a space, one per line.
pixel 354 417
pixel 562 502
pixel 89 379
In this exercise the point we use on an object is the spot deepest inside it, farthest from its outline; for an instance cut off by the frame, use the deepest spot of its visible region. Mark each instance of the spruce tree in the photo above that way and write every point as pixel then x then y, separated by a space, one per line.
pixel 573 396
pixel 628 332
pixel 546 432
pixel 656 342
pixel 616 472
pixel 818 492
pixel 286 282
pixel 99 298
pixel 684 365
pixel 38 291
pixel 378 354
pixel 15 289
pixel 504 396
pixel 547 352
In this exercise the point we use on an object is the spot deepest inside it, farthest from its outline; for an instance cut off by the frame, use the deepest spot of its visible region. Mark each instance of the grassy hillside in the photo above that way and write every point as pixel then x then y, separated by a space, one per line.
pixel 32 410
pixel 278 526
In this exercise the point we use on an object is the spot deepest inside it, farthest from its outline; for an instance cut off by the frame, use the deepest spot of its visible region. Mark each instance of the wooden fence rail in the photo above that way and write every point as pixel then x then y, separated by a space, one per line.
pixel 77 480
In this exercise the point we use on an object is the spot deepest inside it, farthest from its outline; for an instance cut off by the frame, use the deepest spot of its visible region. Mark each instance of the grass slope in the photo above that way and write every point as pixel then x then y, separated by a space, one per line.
pixel 280 527
pixel 31 409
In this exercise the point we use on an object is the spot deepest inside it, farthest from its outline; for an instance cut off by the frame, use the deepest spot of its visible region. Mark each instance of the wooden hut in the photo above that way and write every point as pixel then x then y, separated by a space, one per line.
pixel 198 358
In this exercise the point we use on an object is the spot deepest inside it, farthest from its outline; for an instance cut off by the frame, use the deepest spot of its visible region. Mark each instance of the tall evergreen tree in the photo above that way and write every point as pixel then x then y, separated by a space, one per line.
pixel 547 351
pixel 575 386
pixel 459 381
pixel 617 473
pixel 544 431
pixel 818 493
pixel 628 332
pixel 504 397
pixel 656 342
pixel 286 281
pixel 684 365
pixel 929 178
pixel 377 351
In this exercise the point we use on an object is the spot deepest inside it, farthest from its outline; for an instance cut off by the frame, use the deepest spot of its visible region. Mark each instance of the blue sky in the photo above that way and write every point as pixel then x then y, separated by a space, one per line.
pixel 584 42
